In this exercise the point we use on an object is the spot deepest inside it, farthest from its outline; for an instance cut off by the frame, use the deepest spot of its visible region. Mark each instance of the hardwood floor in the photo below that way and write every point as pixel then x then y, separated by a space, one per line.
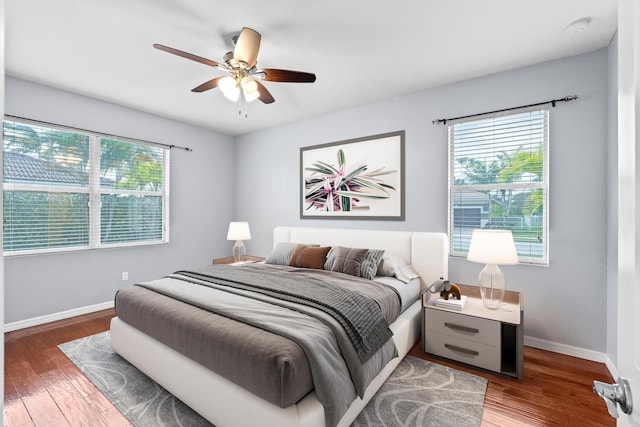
pixel 43 388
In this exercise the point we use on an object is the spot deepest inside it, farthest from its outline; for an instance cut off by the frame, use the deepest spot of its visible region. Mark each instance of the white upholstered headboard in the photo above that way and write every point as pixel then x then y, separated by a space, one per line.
pixel 427 252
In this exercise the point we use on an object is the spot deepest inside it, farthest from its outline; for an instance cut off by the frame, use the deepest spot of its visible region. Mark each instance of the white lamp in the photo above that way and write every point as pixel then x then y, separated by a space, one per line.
pixel 492 247
pixel 238 231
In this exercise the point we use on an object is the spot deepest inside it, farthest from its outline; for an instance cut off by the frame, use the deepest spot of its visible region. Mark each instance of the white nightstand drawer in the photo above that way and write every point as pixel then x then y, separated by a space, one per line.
pixel 463 350
pixel 467 328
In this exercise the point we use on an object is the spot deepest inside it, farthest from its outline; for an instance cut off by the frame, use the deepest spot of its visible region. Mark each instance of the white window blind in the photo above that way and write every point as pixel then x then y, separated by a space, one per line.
pixel 498 179
pixel 65 189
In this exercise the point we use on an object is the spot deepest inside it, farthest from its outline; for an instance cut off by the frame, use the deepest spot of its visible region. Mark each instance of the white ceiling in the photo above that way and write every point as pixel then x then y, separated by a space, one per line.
pixel 360 50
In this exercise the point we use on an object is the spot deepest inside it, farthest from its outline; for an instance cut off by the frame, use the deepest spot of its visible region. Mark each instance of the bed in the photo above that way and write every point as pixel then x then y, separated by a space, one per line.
pixel 226 403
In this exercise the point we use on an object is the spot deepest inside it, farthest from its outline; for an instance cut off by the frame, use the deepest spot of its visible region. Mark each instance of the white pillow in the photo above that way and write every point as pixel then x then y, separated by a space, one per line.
pixel 394 266
pixel 390 264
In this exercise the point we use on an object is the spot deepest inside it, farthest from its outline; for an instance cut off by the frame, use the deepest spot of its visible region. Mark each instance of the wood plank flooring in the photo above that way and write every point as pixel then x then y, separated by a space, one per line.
pixel 44 388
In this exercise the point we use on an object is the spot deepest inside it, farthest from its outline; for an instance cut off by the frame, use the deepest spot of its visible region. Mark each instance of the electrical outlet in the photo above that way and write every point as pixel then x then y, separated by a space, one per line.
pixel 125 275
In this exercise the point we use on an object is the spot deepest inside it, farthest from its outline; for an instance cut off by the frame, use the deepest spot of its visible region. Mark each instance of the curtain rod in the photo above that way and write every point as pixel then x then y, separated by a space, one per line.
pixel 552 102
pixel 169 146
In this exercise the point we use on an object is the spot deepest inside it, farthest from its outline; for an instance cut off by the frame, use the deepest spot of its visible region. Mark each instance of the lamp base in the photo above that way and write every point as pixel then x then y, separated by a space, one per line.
pixel 492 285
pixel 239 251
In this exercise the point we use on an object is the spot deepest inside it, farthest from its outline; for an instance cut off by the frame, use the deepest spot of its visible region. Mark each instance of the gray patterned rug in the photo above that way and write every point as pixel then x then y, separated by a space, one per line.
pixel 418 393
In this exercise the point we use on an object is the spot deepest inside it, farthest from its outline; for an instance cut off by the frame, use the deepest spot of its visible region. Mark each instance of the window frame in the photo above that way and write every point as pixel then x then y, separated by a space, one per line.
pixel 94 190
pixel 543 184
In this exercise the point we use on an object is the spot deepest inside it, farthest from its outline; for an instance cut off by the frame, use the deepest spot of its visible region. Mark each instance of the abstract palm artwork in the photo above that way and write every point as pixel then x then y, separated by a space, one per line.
pixel 359 178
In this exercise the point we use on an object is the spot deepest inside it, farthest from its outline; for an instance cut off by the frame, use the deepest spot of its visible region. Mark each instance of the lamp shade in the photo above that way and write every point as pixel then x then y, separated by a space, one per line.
pixel 492 247
pixel 238 230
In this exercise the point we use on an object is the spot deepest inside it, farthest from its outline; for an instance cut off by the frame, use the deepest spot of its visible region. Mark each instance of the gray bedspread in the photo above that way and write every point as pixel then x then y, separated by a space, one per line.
pixel 359 315
pixel 338 372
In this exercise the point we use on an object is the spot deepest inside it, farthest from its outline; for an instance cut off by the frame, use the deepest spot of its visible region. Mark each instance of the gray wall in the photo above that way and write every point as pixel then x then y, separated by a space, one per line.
pixel 566 301
pixel 201 206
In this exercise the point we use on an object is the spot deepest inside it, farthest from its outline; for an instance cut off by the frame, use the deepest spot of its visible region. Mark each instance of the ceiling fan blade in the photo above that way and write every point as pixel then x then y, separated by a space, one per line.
pixel 264 96
pixel 275 75
pixel 187 55
pixel 213 83
pixel 247 47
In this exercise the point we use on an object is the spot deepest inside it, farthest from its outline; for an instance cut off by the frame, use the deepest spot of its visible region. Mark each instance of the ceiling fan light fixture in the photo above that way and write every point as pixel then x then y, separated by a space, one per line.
pixel 250 89
pixel 229 88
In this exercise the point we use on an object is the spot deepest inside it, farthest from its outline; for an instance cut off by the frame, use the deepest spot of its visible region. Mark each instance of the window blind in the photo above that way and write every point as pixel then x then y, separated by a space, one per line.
pixel 498 179
pixel 131 192
pixel 65 189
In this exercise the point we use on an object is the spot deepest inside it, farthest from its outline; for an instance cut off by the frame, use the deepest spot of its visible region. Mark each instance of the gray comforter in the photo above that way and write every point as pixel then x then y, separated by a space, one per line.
pixel 358 314
pixel 339 370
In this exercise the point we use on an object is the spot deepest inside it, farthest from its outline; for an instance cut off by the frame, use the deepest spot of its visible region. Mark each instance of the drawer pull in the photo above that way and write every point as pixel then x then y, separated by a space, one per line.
pixel 461 328
pixel 462 349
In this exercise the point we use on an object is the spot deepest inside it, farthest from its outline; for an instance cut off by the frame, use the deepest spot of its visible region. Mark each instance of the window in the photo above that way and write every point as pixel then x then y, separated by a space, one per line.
pixel 67 189
pixel 498 178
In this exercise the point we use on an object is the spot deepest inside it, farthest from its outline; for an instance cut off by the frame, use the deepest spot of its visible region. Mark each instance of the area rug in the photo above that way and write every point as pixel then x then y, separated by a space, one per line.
pixel 418 393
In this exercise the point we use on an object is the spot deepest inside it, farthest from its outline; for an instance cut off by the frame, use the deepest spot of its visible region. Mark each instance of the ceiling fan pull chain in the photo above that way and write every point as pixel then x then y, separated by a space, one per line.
pixel 242 103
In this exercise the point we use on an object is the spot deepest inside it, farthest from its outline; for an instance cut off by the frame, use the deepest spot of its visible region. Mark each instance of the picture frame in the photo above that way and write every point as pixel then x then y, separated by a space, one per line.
pixel 361 178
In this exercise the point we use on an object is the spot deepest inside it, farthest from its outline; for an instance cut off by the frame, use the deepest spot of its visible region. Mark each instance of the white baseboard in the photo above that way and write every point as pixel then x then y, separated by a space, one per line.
pixel 613 370
pixel 583 353
pixel 569 350
pixel 35 321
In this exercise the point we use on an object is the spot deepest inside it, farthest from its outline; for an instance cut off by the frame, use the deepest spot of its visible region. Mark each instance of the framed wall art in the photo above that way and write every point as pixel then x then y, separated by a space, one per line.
pixel 359 178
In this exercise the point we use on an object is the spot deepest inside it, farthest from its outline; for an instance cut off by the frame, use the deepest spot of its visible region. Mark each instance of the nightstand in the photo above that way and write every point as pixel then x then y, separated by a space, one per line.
pixel 477 336
pixel 229 260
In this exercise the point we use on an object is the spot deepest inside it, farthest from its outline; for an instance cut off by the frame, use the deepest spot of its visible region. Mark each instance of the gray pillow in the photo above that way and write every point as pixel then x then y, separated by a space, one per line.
pixel 345 260
pixel 370 263
pixel 281 254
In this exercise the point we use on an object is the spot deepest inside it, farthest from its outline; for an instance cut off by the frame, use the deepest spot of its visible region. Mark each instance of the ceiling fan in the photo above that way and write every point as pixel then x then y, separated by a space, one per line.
pixel 243 82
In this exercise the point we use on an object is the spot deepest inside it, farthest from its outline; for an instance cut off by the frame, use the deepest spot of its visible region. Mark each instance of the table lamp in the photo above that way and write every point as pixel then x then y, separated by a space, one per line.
pixel 492 247
pixel 238 231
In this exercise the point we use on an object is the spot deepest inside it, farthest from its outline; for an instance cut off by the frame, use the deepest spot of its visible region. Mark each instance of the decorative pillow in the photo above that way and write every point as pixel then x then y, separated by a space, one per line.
pixel 345 260
pixel 369 266
pixel 406 274
pixel 390 264
pixel 309 257
pixel 281 254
